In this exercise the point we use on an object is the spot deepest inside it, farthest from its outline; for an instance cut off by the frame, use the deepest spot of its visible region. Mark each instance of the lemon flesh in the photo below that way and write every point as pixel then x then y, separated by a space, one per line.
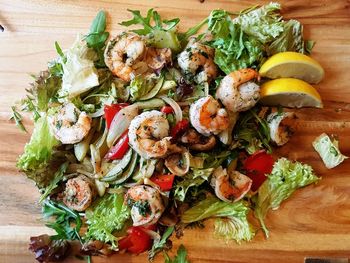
pixel 289 92
pixel 292 65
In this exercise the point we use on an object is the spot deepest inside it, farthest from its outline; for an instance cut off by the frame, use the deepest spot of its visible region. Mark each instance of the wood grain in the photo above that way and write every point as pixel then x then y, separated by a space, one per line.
pixel 315 221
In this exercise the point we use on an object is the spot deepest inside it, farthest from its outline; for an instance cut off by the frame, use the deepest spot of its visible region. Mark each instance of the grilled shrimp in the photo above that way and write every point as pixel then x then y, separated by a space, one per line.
pixel 124 55
pixel 149 135
pixel 198 142
pixel 198 60
pixel 280 125
pixel 157 58
pixel 146 204
pixel 79 193
pixel 70 125
pixel 237 92
pixel 207 117
pixel 230 187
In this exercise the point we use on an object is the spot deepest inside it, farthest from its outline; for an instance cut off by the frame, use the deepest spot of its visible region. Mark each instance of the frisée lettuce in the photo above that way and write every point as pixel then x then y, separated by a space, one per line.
pixel 285 178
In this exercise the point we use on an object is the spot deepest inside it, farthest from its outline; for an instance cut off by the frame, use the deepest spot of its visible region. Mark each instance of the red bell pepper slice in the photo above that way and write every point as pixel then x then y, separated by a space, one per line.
pixel 111 111
pixel 167 109
pixel 179 128
pixel 256 166
pixel 137 241
pixel 164 181
pixel 120 148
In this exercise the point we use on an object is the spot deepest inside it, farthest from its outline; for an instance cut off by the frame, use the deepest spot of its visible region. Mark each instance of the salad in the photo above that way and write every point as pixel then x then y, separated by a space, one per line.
pixel 140 135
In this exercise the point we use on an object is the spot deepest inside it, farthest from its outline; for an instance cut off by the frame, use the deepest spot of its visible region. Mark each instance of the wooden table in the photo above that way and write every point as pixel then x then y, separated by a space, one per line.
pixel 313 222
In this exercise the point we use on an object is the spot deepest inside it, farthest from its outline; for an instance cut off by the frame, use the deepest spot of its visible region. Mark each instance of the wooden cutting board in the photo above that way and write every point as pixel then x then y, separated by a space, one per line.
pixel 314 222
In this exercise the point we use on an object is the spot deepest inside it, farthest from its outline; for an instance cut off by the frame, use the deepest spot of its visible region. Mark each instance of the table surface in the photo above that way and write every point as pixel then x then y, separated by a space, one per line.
pixel 314 222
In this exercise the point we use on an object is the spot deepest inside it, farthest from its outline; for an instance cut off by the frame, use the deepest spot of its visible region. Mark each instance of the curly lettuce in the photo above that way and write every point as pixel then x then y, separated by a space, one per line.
pixel 107 215
pixel 192 179
pixel 285 178
pixel 38 153
pixel 247 40
pixel 231 223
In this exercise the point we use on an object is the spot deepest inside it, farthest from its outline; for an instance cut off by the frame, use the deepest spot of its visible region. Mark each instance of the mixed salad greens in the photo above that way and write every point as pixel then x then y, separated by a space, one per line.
pixel 154 130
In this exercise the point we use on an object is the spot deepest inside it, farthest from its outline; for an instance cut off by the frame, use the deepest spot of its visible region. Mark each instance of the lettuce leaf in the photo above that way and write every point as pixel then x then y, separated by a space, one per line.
pixel 264 23
pixel 234 49
pixel 192 179
pixel 232 222
pixel 285 178
pixel 38 153
pixel 79 72
pixel 104 217
pixel 256 33
pixel 291 39
pixel 328 150
pixel 213 207
pixel 234 228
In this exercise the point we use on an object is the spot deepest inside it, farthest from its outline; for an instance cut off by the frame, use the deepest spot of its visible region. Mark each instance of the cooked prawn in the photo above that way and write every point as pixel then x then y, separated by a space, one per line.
pixel 198 60
pixel 124 55
pixel 146 204
pixel 70 125
pixel 79 193
pixel 281 126
pixel 237 91
pixel 157 58
pixel 207 117
pixel 230 187
pixel 148 135
pixel 196 141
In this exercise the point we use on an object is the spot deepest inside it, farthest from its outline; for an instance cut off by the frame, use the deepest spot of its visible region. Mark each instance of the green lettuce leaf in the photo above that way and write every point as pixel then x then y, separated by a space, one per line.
pixel 213 207
pixel 194 178
pixel 285 178
pixel 264 23
pixel 328 150
pixel 38 153
pixel 232 222
pixel 291 39
pixel 256 33
pixel 104 217
pixel 234 228
pixel 42 93
pixel 234 49
pixel 79 72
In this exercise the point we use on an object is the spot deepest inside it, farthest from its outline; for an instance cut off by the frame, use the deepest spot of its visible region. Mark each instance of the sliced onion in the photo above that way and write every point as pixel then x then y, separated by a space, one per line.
pixel 95 159
pixel 175 106
pixel 101 187
pixel 100 141
pixel 120 123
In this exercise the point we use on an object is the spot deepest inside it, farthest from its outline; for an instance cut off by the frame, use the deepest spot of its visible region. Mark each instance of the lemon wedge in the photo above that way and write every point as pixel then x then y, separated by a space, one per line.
pixel 289 92
pixel 292 65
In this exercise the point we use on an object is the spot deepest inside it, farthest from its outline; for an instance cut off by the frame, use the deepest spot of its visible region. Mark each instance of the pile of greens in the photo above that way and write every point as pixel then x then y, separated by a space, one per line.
pixel 80 75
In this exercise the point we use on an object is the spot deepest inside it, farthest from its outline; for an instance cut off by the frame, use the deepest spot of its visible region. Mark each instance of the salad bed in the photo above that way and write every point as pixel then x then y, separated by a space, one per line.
pixel 185 189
